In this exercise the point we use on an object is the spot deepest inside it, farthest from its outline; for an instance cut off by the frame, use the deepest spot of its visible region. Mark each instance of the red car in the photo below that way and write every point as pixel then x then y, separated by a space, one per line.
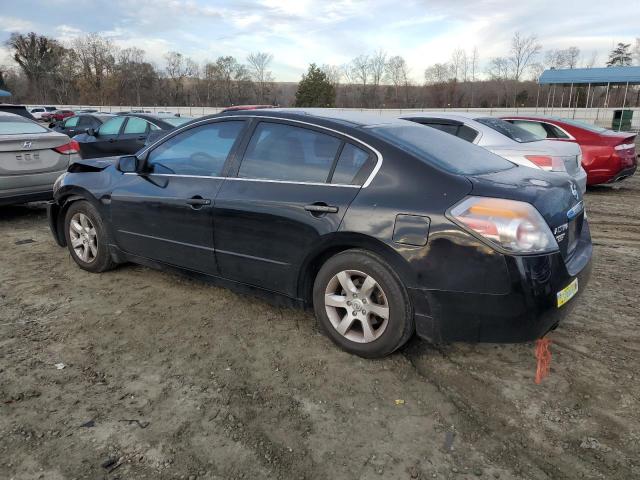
pixel 57 115
pixel 607 156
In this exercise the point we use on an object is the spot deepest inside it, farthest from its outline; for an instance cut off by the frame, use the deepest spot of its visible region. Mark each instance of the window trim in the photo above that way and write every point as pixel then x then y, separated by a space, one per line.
pixel 120 130
pixel 253 120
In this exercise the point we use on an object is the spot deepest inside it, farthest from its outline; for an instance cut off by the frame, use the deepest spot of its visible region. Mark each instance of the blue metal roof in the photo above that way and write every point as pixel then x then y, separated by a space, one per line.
pixel 4 93
pixel 594 76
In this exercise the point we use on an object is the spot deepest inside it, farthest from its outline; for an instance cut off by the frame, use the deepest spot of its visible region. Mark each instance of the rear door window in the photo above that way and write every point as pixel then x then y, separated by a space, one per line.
pixel 200 151
pixel 135 125
pixel 467 133
pixel 285 152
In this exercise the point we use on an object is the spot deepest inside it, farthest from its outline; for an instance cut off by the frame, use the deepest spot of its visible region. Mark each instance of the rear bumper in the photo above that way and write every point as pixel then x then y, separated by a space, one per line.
pixel 527 312
pixel 15 198
pixel 581 179
pixel 622 174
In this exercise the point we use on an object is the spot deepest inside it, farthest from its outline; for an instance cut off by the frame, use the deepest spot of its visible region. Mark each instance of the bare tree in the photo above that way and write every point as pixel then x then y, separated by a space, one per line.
pixel 437 73
pixel 358 72
pixel 334 74
pixel 636 51
pixel 260 74
pixel 523 52
pixel 377 67
pixel 96 57
pixel 457 63
pixel 397 71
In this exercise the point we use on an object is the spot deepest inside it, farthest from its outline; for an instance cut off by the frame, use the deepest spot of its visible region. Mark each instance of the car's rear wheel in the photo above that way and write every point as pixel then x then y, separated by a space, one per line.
pixel 362 305
pixel 86 237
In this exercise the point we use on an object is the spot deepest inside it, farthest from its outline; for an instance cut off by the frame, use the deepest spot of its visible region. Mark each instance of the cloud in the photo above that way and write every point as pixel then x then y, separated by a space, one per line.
pixel 298 32
pixel 14 24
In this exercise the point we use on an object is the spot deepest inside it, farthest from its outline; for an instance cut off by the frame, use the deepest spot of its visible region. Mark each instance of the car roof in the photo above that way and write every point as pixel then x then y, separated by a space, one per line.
pixel 447 115
pixel 345 117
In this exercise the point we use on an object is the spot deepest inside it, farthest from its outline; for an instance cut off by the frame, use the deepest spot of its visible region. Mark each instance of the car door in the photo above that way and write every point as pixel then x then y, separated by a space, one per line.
pixel 103 143
pixel 279 201
pixel 165 212
pixel 133 135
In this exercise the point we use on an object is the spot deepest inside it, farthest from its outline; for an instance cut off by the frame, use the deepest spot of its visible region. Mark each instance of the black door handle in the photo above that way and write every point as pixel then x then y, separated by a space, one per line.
pixel 141 137
pixel 320 208
pixel 198 202
pixel 111 140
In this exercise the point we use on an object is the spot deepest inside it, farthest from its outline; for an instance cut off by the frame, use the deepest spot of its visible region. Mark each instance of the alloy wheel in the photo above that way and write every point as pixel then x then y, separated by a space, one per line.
pixel 84 238
pixel 357 306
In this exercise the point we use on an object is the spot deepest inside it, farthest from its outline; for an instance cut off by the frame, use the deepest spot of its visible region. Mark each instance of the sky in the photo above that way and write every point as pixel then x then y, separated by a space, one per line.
pixel 298 32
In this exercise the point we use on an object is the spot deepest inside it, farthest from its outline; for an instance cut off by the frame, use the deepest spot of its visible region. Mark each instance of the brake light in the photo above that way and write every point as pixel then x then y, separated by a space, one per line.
pixel 68 148
pixel 625 146
pixel 511 225
pixel 542 161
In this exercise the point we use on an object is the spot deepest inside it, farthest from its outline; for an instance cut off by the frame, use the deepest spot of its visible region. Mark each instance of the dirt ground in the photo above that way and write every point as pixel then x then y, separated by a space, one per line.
pixel 167 378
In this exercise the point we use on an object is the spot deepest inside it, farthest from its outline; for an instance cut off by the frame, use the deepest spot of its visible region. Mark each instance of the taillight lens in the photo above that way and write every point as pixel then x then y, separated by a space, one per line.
pixel 511 225
pixel 625 146
pixel 546 162
pixel 68 148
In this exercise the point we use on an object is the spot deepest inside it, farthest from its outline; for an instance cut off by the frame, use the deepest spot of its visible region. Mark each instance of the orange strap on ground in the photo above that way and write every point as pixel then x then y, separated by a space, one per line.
pixel 543 355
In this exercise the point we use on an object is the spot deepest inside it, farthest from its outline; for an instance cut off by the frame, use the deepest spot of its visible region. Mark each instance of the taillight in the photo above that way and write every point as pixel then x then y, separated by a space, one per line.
pixel 546 162
pixel 511 225
pixel 68 148
pixel 625 146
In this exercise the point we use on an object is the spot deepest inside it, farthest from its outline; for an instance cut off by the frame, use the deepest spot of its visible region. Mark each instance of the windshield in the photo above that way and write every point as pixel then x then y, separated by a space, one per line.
pixel 441 149
pixel 509 130
pixel 585 125
pixel 15 125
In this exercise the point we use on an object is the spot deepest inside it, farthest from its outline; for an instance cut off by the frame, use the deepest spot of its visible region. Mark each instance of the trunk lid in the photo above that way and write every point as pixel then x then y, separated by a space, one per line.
pixel 556 197
pixel 32 153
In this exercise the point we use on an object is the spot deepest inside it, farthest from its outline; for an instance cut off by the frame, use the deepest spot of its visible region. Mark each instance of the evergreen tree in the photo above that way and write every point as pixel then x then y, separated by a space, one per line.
pixel 620 56
pixel 315 89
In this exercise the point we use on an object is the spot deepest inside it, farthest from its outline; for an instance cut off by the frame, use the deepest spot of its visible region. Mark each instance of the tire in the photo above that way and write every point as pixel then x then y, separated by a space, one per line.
pixel 356 322
pixel 87 238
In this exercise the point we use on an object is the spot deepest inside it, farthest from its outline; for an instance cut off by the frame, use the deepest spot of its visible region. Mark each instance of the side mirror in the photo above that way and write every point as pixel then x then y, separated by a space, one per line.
pixel 128 164
pixel 91 131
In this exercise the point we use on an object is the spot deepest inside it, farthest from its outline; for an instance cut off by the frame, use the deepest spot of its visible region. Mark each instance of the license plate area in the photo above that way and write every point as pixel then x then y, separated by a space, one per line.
pixel 567 293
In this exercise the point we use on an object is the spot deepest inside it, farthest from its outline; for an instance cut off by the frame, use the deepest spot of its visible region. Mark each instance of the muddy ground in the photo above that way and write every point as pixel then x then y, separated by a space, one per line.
pixel 167 378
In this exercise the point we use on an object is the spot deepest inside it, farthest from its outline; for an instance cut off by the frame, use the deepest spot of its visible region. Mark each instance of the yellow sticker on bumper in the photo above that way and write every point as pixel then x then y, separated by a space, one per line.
pixel 567 293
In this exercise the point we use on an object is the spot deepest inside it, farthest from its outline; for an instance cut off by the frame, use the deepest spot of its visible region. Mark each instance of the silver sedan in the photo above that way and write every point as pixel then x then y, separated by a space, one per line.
pixel 513 143
pixel 32 157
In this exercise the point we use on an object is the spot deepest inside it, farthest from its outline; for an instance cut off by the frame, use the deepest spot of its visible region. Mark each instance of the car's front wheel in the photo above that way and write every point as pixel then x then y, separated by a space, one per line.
pixel 86 237
pixel 362 304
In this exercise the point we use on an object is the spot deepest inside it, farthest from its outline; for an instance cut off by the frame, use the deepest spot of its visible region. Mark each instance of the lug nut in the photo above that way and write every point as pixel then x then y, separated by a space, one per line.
pixel 364 312
pixel 364 300
pixel 349 302
pixel 354 314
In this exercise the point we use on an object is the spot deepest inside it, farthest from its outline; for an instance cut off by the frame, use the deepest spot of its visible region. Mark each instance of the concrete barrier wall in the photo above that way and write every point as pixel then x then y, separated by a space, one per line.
pixel 597 116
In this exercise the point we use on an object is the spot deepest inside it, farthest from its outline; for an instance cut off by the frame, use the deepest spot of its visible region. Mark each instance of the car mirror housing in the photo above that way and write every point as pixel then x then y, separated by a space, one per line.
pixel 128 164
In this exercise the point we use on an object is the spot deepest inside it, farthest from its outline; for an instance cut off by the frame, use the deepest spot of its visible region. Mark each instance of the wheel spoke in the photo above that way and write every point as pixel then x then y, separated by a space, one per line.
pixel 84 221
pixel 76 242
pixel 85 254
pixel 379 310
pixel 367 330
pixel 333 300
pixel 92 232
pixel 367 286
pixel 345 324
pixel 345 280
pixel 76 226
pixel 93 249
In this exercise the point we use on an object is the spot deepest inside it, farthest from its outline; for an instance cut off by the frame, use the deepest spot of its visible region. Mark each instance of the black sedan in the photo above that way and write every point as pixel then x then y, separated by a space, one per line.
pixel 123 134
pixel 382 226
pixel 80 123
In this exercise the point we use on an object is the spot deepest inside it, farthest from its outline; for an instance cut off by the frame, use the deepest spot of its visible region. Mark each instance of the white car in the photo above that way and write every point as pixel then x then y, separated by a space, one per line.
pixel 37 111
pixel 509 141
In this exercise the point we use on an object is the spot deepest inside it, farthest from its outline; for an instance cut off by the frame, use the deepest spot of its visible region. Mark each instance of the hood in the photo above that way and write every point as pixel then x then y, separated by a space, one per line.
pixel 92 164
pixel 556 197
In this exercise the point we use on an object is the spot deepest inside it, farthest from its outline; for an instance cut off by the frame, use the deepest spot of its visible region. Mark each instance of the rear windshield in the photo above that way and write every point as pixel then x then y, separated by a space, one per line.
pixel 17 125
pixel 441 149
pixel 509 130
